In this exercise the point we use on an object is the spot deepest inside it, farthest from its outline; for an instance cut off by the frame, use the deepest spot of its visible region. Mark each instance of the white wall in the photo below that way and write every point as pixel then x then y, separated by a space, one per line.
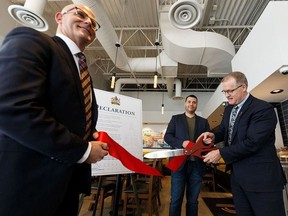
pixel 265 49
pixel 262 53
pixel 152 101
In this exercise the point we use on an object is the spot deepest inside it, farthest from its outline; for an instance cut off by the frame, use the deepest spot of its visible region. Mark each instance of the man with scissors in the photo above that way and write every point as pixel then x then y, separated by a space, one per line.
pixel 182 129
pixel 257 178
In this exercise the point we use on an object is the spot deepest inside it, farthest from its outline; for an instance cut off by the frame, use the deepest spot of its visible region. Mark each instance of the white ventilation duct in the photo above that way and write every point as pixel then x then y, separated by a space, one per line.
pixel 185 14
pixel 178 89
pixel 185 46
pixel 169 82
pixel 148 64
pixel 30 14
pixel 108 38
pixel 195 48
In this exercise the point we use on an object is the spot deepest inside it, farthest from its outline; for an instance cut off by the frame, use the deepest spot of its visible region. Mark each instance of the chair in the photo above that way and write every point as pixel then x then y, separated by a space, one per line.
pixel 140 191
pixel 158 184
pixel 107 187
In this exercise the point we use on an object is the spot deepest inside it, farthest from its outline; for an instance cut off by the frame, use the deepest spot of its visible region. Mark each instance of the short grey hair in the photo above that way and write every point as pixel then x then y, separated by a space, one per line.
pixel 238 76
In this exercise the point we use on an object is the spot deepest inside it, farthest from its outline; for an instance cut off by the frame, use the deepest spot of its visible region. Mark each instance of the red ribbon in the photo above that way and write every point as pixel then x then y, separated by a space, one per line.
pixel 176 162
pixel 128 160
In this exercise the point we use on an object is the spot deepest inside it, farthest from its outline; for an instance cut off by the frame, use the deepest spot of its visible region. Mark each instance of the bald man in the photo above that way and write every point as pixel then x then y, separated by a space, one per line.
pixel 47 142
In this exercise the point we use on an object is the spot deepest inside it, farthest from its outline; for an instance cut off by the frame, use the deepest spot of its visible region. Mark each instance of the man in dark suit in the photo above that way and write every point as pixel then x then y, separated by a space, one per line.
pixel 44 158
pixel 257 178
pixel 182 129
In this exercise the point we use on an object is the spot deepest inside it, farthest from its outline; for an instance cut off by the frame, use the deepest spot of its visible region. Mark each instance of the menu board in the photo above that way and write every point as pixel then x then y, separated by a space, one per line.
pixel 121 117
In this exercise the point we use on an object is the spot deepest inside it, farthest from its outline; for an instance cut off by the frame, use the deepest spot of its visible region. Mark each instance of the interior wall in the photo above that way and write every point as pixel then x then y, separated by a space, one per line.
pixel 274 41
pixel 152 102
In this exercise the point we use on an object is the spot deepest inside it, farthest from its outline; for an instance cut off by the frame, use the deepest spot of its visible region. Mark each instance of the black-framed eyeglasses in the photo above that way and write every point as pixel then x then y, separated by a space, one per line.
pixel 230 91
pixel 82 15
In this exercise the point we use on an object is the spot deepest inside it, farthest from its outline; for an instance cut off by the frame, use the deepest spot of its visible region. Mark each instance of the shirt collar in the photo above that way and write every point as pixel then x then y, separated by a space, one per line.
pixel 243 101
pixel 74 49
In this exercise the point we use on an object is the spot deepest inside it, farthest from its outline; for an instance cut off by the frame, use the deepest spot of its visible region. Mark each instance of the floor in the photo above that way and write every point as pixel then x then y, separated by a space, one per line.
pixel 165 197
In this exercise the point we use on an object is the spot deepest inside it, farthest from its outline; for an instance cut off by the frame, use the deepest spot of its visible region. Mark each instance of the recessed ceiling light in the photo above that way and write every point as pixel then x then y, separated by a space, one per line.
pixel 284 70
pixel 276 91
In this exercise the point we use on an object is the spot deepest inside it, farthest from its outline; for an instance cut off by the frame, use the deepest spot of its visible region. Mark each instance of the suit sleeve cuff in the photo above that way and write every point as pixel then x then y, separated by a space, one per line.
pixel 86 154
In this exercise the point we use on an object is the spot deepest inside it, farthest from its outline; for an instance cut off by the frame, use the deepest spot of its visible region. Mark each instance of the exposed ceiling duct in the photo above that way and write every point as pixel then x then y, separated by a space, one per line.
pixel 30 14
pixel 184 46
pixel 185 14
pixel 108 38
pixel 193 47
pixel 170 82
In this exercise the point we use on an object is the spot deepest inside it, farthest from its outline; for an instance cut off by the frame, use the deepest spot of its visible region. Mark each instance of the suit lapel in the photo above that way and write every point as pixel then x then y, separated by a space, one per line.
pixel 241 113
pixel 196 128
pixel 184 122
pixel 69 60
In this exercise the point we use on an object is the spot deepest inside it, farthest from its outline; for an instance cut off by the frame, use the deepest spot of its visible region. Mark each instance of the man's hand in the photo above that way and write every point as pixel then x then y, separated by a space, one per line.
pixel 208 137
pixel 98 150
pixel 185 143
pixel 212 157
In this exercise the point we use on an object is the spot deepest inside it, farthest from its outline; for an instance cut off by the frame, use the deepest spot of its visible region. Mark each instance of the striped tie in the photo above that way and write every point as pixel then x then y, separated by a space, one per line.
pixel 86 86
pixel 231 123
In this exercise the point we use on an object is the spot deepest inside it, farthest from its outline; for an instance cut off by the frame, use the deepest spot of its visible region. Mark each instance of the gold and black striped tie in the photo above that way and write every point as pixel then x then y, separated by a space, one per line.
pixel 86 86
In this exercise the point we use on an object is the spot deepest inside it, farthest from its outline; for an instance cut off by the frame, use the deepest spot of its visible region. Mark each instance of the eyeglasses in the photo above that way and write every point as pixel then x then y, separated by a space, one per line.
pixel 230 91
pixel 82 15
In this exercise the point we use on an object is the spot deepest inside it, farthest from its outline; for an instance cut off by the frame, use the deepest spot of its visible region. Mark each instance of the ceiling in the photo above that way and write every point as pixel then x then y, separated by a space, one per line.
pixel 136 23
pixel 137 26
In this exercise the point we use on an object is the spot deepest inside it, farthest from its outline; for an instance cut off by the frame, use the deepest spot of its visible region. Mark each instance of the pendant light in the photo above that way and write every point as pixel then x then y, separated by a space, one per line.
pixel 162 106
pixel 113 78
pixel 156 74
pixel 155 80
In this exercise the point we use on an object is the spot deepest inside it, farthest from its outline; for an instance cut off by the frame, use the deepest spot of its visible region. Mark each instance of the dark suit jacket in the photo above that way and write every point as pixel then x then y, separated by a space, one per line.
pixel 177 132
pixel 252 153
pixel 42 120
